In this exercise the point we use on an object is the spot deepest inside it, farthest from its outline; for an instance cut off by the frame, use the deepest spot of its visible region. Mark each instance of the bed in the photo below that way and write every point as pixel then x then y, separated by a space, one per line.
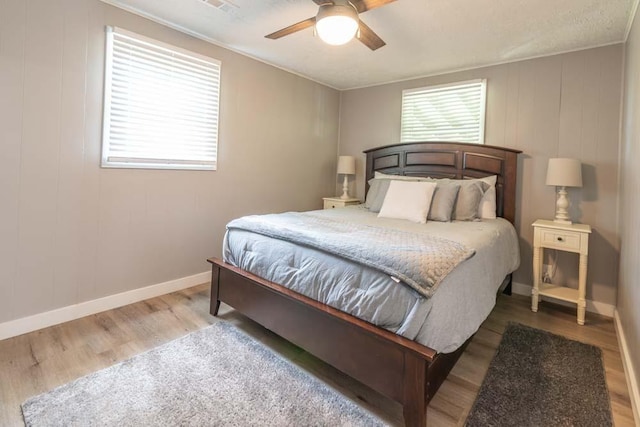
pixel 402 369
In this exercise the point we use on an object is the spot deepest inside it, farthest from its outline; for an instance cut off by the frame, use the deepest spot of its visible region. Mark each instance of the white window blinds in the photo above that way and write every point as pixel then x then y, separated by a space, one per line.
pixel 453 112
pixel 161 105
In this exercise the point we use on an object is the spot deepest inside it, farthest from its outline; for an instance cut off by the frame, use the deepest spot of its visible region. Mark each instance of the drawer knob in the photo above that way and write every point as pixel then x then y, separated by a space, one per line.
pixel 560 239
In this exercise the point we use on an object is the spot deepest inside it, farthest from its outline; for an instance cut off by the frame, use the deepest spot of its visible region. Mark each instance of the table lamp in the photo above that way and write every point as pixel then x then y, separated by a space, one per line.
pixel 563 173
pixel 346 167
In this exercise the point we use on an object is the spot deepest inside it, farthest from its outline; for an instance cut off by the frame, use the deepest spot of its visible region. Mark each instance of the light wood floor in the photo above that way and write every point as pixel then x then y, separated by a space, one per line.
pixel 36 362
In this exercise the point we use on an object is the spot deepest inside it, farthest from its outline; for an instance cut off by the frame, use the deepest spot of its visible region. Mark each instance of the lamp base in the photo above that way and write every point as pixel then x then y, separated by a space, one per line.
pixel 562 221
pixel 345 188
pixel 562 203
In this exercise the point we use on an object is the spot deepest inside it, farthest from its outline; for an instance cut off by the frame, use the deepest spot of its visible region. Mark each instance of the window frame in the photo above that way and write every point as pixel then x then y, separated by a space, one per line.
pixel 461 84
pixel 138 163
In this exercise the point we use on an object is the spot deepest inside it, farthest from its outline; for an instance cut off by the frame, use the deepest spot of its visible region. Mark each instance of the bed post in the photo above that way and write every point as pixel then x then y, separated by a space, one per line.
pixel 214 306
pixel 414 406
pixel 508 289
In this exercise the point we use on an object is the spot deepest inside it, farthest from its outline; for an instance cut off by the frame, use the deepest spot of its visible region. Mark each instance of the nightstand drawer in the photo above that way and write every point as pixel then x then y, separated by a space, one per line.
pixel 328 204
pixel 337 202
pixel 566 240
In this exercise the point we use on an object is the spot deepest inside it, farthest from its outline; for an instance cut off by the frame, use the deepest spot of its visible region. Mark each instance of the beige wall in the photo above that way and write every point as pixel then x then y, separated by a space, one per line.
pixel 565 105
pixel 629 280
pixel 71 231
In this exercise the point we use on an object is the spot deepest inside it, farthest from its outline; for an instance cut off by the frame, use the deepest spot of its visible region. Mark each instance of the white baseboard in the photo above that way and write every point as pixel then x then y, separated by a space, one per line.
pixel 23 325
pixel 592 306
pixel 633 382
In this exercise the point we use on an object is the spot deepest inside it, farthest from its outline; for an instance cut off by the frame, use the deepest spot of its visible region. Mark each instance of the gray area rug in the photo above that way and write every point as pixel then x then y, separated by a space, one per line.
pixel 215 376
pixel 540 379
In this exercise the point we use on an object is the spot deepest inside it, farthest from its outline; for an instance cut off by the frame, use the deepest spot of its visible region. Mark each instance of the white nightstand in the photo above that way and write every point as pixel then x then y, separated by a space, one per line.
pixel 337 202
pixel 562 237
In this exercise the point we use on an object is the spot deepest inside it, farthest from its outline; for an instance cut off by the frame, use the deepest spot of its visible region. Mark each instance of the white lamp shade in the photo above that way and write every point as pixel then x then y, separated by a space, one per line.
pixel 347 165
pixel 564 172
pixel 337 23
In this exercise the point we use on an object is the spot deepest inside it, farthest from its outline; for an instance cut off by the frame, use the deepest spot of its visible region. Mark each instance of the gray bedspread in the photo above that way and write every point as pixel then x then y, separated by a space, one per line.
pixel 421 260
pixel 463 300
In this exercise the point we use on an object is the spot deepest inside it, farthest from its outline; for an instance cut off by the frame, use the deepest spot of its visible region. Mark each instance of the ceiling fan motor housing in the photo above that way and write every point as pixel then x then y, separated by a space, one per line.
pixel 337 8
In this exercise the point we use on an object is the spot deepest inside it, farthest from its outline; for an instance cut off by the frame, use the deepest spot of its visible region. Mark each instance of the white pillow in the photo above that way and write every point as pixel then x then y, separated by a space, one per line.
pixel 380 175
pixel 408 200
pixel 487 206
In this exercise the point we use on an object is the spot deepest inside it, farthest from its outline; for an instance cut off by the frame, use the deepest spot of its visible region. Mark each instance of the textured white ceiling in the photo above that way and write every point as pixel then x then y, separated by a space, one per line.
pixel 423 37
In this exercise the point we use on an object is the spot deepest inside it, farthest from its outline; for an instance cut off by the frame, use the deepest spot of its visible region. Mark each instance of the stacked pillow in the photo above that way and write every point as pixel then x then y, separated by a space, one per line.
pixel 408 200
pixel 451 199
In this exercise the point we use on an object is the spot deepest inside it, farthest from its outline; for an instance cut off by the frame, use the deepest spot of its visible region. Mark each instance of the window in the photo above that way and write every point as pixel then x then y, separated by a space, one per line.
pixel 160 105
pixel 452 112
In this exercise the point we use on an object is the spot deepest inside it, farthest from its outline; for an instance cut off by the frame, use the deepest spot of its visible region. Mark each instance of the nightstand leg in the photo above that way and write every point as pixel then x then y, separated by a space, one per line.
pixel 582 288
pixel 537 267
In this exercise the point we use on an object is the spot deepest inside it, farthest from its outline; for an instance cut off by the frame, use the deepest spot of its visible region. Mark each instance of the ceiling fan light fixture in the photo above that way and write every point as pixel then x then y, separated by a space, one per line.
pixel 337 23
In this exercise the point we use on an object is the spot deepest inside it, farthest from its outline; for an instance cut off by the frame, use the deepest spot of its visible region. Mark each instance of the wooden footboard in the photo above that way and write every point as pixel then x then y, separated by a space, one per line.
pixel 399 368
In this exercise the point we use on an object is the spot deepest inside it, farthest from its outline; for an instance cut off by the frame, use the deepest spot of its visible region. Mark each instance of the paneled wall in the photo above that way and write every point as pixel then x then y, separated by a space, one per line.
pixel 629 282
pixel 71 231
pixel 559 106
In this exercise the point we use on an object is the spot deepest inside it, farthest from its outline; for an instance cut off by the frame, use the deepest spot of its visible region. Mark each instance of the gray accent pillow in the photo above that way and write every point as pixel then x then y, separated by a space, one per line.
pixel 377 191
pixel 469 196
pixel 444 199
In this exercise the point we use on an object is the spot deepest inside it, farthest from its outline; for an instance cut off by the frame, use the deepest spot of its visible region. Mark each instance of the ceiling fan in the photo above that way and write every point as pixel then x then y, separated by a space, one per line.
pixel 337 22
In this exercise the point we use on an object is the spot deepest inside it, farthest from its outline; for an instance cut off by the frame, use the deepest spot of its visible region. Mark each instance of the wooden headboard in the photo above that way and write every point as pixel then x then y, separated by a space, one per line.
pixel 451 160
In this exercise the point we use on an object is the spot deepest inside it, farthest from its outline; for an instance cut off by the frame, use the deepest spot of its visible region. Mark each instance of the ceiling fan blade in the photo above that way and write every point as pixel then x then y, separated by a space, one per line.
pixel 364 5
pixel 369 38
pixel 292 28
